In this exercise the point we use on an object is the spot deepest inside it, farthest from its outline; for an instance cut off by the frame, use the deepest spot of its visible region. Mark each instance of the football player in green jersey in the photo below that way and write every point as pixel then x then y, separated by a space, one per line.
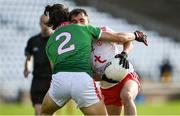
pixel 116 94
pixel 69 50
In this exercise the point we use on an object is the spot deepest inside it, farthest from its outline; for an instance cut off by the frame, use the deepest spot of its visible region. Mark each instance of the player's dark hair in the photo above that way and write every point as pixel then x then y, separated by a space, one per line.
pixel 57 13
pixel 76 12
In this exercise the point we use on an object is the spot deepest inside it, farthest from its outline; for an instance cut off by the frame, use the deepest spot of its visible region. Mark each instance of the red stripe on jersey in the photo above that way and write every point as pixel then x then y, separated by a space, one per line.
pixel 97 91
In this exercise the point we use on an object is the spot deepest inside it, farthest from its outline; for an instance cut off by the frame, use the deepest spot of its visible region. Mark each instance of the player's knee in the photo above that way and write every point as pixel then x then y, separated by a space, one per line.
pixel 46 112
pixel 126 96
pixel 43 112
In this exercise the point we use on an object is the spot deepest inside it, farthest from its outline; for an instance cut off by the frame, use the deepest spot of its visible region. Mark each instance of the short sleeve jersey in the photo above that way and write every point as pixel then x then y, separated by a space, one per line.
pixel 69 48
pixel 103 52
pixel 36 47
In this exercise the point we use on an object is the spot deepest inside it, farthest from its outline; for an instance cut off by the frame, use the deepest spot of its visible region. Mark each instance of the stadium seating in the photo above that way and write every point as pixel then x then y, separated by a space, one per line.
pixel 19 20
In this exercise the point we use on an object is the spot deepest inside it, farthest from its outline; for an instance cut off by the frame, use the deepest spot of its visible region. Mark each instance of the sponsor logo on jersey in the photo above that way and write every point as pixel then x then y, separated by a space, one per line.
pixel 98 59
pixel 35 49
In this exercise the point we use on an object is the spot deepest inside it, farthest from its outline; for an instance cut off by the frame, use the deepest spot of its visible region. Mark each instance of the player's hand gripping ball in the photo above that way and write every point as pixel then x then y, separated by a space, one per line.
pixel 115 71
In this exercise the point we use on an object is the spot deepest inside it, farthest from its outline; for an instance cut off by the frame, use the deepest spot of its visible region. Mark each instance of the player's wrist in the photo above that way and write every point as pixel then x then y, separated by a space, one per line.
pixel 136 35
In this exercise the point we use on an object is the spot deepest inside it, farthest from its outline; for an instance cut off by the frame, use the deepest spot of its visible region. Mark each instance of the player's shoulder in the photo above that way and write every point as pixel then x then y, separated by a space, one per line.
pixel 35 37
pixel 80 25
pixel 75 25
pixel 106 29
pixel 84 26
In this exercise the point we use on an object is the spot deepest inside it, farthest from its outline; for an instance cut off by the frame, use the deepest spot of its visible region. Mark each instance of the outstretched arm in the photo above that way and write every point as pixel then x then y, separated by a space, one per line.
pixel 124 37
pixel 117 37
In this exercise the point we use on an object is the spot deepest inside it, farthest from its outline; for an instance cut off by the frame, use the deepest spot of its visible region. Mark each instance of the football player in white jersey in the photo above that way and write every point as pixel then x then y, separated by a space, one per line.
pixel 116 94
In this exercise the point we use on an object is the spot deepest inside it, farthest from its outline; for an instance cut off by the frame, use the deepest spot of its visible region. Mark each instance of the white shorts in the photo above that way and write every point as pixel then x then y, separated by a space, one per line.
pixel 76 85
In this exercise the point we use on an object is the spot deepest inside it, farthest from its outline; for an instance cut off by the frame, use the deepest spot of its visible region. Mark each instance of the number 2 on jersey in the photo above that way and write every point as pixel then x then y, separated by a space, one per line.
pixel 62 50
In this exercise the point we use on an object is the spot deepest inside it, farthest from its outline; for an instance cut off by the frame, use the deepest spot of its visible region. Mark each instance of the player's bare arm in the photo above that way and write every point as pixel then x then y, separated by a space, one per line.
pixel 52 65
pixel 124 37
pixel 117 37
pixel 26 70
pixel 127 47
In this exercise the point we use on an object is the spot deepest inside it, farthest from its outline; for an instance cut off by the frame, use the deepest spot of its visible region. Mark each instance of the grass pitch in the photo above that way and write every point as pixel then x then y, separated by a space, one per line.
pixel 165 108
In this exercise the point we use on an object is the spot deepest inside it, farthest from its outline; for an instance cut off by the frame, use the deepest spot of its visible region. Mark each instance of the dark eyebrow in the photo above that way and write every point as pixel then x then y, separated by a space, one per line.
pixel 81 19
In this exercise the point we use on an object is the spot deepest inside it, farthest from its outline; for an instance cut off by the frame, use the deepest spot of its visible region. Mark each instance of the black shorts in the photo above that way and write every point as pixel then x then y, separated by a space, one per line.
pixel 39 88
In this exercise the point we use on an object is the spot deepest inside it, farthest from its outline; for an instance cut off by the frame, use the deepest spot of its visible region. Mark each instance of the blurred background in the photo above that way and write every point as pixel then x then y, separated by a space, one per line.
pixel 158 64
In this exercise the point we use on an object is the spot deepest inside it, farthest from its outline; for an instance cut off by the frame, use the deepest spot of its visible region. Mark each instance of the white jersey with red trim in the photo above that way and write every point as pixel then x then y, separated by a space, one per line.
pixel 102 52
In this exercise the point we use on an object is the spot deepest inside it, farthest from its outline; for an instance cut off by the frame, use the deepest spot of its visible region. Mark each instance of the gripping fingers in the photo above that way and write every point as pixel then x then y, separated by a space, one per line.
pixel 121 61
pixel 124 63
pixel 145 40
pixel 127 65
